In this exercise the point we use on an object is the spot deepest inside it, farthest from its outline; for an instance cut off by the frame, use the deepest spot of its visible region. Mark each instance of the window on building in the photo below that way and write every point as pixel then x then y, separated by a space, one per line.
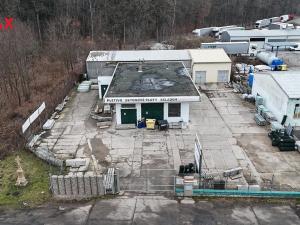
pixel 257 39
pixel 276 40
pixel 223 75
pixel 174 110
pixel 297 111
pixel 200 77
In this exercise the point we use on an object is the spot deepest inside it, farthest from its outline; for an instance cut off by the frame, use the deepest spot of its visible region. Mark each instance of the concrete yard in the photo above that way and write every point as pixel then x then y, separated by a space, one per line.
pixel 267 164
pixel 155 210
pixel 148 160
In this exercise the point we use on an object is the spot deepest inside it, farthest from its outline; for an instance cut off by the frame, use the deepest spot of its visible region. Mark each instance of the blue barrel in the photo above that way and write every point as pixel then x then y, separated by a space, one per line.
pixel 277 62
pixel 250 79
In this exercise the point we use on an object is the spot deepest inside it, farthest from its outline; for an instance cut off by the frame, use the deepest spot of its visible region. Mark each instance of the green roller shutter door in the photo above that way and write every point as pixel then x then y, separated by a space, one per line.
pixel 153 111
pixel 128 116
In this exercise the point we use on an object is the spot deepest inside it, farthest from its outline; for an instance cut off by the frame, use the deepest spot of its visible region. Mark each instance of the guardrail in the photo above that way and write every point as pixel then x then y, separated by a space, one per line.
pixel 240 193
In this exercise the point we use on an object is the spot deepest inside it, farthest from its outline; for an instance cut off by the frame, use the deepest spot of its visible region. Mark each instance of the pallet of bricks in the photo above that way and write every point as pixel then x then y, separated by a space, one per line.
pixel 260 121
pixel 263 115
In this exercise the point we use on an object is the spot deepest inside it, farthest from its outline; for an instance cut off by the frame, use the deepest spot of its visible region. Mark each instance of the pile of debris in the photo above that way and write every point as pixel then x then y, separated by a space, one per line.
pixel 283 140
pixel 43 152
pixel 263 115
pixel 102 114
pixel 85 86
pixel 59 108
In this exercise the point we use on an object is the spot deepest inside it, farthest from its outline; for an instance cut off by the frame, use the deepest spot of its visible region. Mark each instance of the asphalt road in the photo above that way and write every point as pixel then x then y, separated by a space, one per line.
pixel 154 210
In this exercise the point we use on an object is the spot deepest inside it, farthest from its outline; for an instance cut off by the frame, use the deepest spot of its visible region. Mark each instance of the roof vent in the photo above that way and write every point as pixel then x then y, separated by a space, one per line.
pixel 140 67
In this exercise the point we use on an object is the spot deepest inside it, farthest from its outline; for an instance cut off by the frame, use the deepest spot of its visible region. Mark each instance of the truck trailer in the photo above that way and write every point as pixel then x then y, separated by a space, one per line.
pixel 232 48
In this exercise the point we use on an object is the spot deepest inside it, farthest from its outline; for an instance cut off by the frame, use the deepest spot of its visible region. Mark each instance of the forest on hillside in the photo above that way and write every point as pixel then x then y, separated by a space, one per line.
pixel 42 55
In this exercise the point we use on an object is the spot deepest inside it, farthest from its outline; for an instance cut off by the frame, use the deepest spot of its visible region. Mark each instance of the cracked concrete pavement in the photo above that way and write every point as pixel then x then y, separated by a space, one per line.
pixel 156 210
pixel 148 159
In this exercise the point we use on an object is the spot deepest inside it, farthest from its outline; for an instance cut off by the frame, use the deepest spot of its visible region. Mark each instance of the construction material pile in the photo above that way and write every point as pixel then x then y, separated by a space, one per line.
pixel 85 86
pixel 281 139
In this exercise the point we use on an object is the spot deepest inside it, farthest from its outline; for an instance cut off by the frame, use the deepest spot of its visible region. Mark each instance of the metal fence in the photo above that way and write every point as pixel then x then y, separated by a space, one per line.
pixel 150 181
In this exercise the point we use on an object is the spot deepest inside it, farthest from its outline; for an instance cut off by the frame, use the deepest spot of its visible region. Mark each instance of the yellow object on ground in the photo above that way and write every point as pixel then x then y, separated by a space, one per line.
pixel 150 123
pixel 283 67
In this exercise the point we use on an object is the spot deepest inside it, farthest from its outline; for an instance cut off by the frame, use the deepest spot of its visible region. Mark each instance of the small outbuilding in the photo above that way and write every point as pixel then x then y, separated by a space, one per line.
pixel 160 91
pixel 210 66
pixel 281 93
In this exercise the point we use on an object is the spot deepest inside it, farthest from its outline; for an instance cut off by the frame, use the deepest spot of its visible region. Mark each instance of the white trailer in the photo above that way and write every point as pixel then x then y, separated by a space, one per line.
pixel 234 48
pixel 281 26
pixel 217 30
pixel 218 34
pixel 203 31
pixel 266 22
pixel 285 18
pixel 231 48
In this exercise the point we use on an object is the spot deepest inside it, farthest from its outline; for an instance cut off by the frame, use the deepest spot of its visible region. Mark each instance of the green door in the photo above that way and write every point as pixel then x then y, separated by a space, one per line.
pixel 103 89
pixel 153 111
pixel 128 116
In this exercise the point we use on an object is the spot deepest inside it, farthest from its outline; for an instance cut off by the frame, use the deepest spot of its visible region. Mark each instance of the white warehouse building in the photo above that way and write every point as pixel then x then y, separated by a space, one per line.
pixel 281 94
pixel 261 37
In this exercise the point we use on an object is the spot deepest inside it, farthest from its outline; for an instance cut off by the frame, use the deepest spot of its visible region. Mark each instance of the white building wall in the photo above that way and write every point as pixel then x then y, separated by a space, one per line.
pixel 290 113
pixel 184 113
pixel 274 97
pixel 104 80
pixel 211 70
pixel 118 113
pixel 138 111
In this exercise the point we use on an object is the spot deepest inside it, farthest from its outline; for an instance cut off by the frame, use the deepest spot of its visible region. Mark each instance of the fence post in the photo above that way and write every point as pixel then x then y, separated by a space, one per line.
pixel 117 180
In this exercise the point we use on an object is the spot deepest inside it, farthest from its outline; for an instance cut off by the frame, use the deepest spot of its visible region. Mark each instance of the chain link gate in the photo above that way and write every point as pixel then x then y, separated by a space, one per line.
pixel 150 181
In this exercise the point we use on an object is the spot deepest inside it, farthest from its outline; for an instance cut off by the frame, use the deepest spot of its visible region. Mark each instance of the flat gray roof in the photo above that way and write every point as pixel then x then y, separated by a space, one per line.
pixel 137 55
pixel 156 80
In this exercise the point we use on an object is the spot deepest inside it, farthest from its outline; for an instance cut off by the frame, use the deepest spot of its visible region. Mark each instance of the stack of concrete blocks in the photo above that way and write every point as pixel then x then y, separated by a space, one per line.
pixel 49 124
pixel 78 164
pixel 77 185
pixel 85 86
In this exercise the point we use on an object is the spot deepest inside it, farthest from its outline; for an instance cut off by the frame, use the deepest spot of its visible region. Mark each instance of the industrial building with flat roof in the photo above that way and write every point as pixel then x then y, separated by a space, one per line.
pixel 262 37
pixel 206 65
pixel 160 91
pixel 281 94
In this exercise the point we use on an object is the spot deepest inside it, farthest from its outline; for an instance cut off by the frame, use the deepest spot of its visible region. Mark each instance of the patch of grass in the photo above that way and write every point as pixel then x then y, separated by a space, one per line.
pixel 37 174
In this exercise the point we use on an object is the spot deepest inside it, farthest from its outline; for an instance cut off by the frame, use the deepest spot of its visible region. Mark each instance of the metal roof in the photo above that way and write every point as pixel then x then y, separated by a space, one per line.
pixel 263 33
pixel 281 44
pixel 289 81
pixel 137 55
pixel 217 55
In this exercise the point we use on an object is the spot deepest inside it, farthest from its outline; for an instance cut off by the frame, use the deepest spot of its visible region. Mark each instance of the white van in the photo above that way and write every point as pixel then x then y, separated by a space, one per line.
pixel 295 48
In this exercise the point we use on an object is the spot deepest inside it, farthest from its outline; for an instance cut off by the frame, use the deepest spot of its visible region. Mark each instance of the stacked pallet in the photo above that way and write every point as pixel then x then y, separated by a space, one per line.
pixel 85 86
pixel 269 116
pixel 259 100
pixel 284 141
pixel 260 121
